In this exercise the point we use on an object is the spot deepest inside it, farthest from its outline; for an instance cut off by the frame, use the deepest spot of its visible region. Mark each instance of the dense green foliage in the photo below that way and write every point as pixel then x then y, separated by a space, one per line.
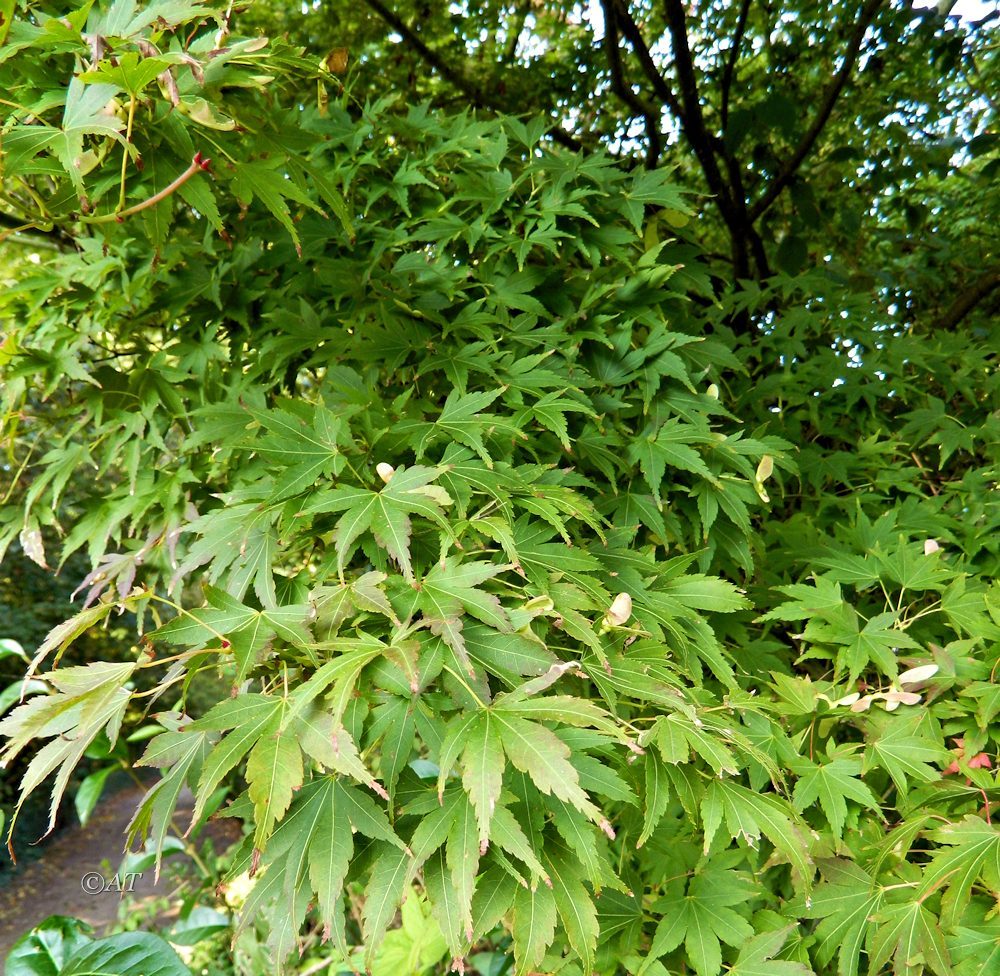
pixel 611 597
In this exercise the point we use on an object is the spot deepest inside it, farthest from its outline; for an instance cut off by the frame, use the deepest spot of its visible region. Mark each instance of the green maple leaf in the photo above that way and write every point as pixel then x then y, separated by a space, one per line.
pixel 385 513
pixel 307 449
pixel 85 115
pixel 752 815
pixel 975 949
pixel 877 642
pixel 335 604
pixel 237 541
pixel 550 412
pixel 972 854
pixel 253 723
pixel 248 631
pixel 832 784
pixel 271 188
pixel 846 902
pixel 461 421
pixel 573 903
pixel 544 757
pixel 452 589
pixel 904 753
pixel 534 927
pixel 909 935
pixel 701 919
pixel 670 446
pixel 383 894
pixel 87 700
pixel 756 958
pixel 311 850
pixel 131 72
pixel 274 771
pixel 482 775
pixel 819 598
pixel 184 752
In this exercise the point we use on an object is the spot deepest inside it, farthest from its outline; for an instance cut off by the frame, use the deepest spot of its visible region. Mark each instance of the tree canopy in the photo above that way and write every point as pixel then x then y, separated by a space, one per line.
pixel 572 433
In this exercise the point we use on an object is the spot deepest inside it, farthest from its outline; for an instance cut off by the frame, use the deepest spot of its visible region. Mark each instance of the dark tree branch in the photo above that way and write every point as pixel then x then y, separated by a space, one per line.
pixel 826 105
pixel 729 71
pixel 622 88
pixel 453 75
pixel 630 29
pixel 733 209
pixel 969 298
pixel 747 228
pixel 519 17
pixel 443 68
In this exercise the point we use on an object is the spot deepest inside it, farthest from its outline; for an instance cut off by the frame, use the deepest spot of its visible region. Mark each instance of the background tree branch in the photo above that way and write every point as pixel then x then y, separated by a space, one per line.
pixel 455 76
pixel 968 299
pixel 621 87
pixel 826 105
pixel 733 56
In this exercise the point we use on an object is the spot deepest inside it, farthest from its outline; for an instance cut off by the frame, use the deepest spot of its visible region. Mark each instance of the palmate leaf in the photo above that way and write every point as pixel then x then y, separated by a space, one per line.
pixel 84 116
pixel 259 181
pixel 701 919
pixel 253 722
pixel 248 631
pixel 382 897
pixel 670 447
pixel 482 774
pixel 909 935
pixel 87 700
pixel 544 757
pixel 846 901
pixel 63 634
pixel 462 421
pixel 274 771
pixel 239 542
pixel 310 851
pixel 752 815
pixel 756 958
pixel 574 904
pixel 452 589
pixel 832 784
pixel 385 513
pixel 904 752
pixel 972 854
pixel 184 752
pixel 306 450
pixel 975 949
pixel 535 915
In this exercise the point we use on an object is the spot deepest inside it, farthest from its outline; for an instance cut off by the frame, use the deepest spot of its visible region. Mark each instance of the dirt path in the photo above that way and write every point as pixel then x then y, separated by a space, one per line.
pixel 54 884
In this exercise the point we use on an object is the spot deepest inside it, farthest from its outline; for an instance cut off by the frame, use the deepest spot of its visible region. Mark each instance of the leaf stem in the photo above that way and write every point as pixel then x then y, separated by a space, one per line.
pixel 128 142
pixel 198 163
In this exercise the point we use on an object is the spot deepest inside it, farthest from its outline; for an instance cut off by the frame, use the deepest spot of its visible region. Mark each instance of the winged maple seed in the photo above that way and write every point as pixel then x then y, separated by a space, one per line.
pixel 619 612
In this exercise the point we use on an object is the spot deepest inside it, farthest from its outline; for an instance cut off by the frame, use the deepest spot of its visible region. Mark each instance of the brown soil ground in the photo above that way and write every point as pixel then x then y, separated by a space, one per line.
pixel 52 884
